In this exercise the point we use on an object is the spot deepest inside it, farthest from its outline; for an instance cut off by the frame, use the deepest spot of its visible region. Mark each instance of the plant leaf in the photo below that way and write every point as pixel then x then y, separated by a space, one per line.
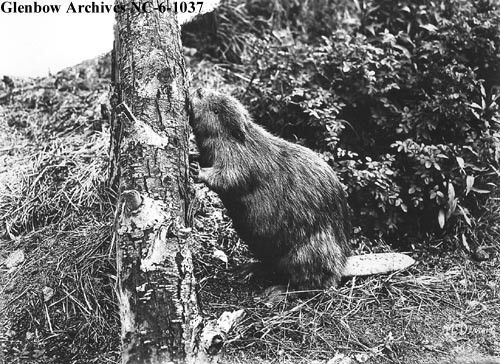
pixel 469 181
pixel 465 243
pixel 451 192
pixel 452 207
pixel 441 218
pixel 465 215
pixel 431 28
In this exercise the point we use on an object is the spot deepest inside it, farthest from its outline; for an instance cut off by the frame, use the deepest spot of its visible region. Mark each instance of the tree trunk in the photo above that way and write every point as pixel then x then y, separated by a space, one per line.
pixel 149 169
pixel 161 321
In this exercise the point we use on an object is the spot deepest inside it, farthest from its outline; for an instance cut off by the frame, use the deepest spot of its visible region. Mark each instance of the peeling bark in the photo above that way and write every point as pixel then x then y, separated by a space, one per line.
pixel 161 321
pixel 149 170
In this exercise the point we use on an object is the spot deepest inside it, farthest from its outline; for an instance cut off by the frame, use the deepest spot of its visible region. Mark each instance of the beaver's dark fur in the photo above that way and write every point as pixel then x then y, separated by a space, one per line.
pixel 286 203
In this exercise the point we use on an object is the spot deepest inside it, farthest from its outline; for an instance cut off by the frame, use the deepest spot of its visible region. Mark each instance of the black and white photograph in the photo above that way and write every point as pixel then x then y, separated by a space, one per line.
pixel 249 181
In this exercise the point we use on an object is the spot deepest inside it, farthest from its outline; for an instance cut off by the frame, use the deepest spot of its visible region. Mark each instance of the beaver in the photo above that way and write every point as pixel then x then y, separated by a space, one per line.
pixel 286 203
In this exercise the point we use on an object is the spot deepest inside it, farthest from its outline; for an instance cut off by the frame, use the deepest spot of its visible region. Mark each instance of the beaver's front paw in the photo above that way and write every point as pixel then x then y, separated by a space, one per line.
pixel 200 175
pixel 204 175
pixel 194 170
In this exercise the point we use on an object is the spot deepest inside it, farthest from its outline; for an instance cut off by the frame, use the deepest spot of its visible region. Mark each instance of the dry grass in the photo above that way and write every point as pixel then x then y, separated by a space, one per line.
pixel 438 311
pixel 64 179
pixel 59 304
pixel 445 309
pixel 80 320
pixel 401 318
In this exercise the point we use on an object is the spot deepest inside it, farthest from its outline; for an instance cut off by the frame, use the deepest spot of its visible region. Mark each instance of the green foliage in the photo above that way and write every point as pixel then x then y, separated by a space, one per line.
pixel 401 98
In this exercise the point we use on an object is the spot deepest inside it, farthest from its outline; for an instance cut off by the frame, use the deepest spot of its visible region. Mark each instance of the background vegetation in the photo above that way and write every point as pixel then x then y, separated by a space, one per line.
pixel 401 98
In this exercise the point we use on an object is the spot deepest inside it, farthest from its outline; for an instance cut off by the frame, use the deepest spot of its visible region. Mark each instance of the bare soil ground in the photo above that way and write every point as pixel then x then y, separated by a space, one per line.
pixel 57 302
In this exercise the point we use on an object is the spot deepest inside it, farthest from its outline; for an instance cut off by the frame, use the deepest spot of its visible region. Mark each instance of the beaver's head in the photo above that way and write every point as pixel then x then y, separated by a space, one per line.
pixel 215 115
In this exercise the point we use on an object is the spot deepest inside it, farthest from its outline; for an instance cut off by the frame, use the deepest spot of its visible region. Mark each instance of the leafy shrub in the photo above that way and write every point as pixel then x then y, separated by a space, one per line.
pixel 404 106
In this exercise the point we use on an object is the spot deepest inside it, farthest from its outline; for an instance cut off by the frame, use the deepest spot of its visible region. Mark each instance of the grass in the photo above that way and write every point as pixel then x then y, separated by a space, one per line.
pixel 441 310
pixel 64 180
pixel 445 309
pixel 59 305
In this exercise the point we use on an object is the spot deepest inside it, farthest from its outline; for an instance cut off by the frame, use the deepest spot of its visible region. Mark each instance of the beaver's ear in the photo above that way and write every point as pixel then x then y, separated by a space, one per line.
pixel 231 122
pixel 236 129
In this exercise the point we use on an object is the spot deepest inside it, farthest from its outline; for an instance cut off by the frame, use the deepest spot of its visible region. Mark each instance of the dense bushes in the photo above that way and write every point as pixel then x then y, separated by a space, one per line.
pixel 401 98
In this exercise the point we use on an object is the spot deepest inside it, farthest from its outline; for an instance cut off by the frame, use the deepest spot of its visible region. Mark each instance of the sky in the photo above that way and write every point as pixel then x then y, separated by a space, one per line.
pixel 36 44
